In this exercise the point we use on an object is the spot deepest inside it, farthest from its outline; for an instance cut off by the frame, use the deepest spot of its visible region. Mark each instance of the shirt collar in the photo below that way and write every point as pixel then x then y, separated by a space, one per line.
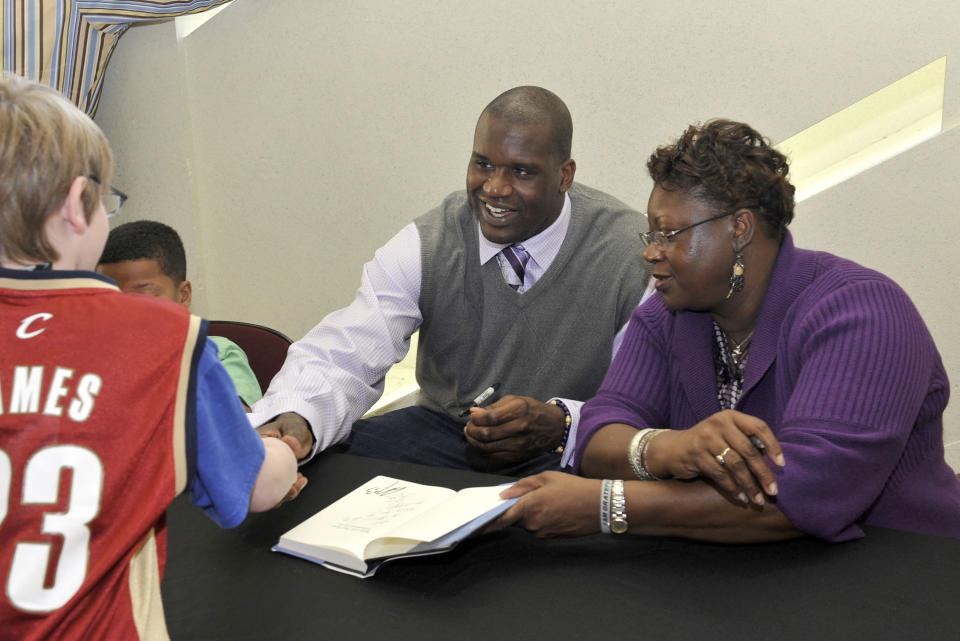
pixel 52 279
pixel 542 248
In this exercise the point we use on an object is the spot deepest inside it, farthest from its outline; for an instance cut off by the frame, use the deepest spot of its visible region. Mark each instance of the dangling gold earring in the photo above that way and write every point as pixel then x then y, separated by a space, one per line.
pixel 736 277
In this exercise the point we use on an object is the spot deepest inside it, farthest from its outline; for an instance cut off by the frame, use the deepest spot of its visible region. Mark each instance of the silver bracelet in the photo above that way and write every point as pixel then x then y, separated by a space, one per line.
pixel 635 454
pixel 605 489
pixel 643 452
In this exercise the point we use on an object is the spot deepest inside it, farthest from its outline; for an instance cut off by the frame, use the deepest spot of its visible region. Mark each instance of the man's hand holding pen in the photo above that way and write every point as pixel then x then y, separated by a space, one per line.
pixel 515 428
pixel 481 399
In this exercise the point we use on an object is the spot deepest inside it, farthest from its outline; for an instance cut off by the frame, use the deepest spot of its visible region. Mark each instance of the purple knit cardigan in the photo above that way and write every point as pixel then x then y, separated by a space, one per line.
pixel 843 370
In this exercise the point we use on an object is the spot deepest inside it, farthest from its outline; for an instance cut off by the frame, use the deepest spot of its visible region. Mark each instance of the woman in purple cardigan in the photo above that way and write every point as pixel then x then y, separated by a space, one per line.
pixel 801 392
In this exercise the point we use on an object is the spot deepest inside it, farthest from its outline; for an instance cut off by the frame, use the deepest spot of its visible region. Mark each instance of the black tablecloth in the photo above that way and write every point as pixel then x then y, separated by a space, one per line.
pixel 227 584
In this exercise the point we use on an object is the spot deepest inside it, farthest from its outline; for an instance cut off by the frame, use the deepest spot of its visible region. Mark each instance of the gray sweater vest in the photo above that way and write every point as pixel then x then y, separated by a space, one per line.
pixel 556 338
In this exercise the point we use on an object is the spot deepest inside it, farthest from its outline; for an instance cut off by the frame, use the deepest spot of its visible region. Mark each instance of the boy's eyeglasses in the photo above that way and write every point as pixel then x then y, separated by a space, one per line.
pixel 112 200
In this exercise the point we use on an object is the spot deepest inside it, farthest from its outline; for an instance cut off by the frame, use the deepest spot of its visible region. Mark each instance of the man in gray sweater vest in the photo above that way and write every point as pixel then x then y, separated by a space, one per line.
pixel 522 283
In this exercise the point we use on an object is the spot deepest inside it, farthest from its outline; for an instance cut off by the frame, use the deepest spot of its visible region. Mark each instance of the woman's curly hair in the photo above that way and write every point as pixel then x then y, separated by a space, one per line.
pixel 731 166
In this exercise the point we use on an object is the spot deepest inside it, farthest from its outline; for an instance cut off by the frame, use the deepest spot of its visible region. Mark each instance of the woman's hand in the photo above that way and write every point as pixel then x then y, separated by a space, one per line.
pixel 719 448
pixel 553 504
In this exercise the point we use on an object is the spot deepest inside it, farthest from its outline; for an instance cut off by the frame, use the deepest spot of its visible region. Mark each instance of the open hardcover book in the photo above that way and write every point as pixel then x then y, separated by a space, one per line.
pixel 386 518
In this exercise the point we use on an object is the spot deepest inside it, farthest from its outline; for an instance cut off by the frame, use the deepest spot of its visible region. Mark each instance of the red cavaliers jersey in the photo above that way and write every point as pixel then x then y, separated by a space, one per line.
pixel 94 431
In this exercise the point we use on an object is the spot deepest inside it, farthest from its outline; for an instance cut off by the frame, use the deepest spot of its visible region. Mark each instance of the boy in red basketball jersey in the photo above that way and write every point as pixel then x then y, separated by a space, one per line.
pixel 110 405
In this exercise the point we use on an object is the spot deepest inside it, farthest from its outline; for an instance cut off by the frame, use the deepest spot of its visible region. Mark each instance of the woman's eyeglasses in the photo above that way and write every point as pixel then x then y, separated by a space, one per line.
pixel 664 238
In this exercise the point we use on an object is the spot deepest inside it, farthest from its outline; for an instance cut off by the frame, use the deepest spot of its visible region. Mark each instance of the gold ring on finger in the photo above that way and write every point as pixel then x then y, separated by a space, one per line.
pixel 721 455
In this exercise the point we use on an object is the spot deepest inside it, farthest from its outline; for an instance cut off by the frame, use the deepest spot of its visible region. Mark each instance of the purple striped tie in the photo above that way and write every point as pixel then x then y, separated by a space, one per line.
pixel 517 256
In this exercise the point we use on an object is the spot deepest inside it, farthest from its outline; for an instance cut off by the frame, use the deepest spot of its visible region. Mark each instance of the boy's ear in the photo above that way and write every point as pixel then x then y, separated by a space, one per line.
pixel 72 212
pixel 185 293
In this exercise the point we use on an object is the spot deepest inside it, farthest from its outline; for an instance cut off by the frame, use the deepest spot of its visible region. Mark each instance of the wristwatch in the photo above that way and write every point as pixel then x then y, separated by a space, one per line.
pixel 605 489
pixel 618 509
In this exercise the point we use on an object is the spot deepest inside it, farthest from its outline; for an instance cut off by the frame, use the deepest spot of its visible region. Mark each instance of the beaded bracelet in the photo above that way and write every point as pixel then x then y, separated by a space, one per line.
pixel 605 489
pixel 566 425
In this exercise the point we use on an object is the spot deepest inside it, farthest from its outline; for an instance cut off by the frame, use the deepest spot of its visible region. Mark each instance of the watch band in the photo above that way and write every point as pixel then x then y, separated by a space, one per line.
pixel 618 509
pixel 605 489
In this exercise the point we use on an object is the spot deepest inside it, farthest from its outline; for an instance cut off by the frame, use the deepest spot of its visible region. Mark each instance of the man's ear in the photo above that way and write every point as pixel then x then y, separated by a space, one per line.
pixel 185 293
pixel 567 171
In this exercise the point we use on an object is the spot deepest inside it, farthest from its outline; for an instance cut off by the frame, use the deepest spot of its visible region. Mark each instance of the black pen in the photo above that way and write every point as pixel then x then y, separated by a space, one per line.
pixel 484 395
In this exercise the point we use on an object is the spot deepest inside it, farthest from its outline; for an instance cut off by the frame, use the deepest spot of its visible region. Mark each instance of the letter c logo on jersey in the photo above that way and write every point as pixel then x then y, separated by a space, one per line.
pixel 24 330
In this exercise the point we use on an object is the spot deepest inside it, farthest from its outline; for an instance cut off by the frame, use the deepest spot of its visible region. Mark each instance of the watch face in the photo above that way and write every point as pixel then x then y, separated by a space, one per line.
pixel 618 525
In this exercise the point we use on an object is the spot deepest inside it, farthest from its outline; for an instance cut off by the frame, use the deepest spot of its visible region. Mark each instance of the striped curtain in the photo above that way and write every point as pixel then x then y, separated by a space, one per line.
pixel 67 43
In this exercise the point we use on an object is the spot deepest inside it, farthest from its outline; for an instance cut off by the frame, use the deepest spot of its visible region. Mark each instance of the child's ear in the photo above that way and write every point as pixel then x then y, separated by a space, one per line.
pixel 71 211
pixel 185 293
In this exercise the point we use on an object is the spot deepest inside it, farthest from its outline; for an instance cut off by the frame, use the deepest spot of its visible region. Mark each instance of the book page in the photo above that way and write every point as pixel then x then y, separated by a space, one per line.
pixel 461 508
pixel 369 512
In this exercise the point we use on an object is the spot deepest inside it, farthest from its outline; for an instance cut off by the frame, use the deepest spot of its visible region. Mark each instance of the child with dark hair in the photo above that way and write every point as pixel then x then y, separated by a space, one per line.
pixel 147 257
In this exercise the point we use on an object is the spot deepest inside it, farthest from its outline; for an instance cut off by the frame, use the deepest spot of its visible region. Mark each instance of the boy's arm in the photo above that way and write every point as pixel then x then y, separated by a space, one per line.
pixel 236 470
pixel 277 475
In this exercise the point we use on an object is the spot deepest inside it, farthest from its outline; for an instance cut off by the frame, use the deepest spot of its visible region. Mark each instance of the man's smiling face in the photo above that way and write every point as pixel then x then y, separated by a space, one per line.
pixel 515 182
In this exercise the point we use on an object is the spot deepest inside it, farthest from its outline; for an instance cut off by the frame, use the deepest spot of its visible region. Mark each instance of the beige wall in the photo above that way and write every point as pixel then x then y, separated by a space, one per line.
pixel 287 140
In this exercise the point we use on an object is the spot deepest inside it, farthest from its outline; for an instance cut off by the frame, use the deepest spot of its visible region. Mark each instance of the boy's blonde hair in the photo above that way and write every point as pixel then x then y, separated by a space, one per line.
pixel 45 143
